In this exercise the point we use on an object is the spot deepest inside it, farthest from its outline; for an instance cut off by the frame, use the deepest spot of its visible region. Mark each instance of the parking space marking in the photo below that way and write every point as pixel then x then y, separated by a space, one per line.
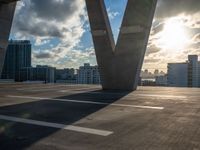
pixel 87 102
pixel 41 87
pixel 90 92
pixel 162 96
pixel 37 89
pixel 56 125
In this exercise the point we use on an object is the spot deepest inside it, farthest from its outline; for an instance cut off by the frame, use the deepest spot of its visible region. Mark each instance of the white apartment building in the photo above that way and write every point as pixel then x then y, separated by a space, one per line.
pixel 88 74
pixel 161 80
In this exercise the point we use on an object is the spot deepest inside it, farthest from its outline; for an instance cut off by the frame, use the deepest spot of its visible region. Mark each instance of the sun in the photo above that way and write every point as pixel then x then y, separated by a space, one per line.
pixel 173 36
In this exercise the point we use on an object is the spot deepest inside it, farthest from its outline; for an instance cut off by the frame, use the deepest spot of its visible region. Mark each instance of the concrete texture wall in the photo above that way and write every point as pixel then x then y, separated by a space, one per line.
pixel 120 64
pixel 6 17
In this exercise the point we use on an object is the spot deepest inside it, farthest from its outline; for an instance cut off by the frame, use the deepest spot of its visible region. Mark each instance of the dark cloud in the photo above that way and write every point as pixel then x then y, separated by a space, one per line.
pixel 168 8
pixel 42 55
pixel 151 60
pixel 196 38
pixel 152 49
pixel 54 9
pixel 37 16
pixel 41 28
pixel 157 27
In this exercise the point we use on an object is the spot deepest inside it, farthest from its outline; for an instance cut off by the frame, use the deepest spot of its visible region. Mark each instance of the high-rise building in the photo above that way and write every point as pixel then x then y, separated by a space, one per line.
pixel 199 73
pixel 184 74
pixel 193 71
pixel 177 74
pixel 88 75
pixel 18 55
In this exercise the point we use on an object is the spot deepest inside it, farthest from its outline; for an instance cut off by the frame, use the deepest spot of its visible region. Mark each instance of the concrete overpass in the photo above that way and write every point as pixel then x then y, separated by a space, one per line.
pixel 119 64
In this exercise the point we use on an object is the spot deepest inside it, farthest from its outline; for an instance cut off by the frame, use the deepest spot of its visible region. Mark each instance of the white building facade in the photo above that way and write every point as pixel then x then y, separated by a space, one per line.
pixel 161 80
pixel 88 74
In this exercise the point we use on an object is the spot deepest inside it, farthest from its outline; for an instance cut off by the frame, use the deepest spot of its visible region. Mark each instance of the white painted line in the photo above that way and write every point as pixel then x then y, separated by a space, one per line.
pixel 161 96
pixel 56 125
pixel 37 89
pixel 47 86
pixel 87 102
pixel 79 92
pixel 90 92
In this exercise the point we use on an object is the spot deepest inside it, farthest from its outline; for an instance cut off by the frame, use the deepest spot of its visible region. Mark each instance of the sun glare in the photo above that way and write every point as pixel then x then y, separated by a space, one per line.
pixel 173 36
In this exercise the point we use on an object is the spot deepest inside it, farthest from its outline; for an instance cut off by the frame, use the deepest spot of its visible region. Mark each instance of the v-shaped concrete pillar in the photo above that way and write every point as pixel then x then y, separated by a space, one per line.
pixel 120 64
pixel 6 16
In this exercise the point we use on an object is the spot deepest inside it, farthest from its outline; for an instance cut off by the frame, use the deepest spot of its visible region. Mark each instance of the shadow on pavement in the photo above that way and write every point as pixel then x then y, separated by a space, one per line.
pixel 17 136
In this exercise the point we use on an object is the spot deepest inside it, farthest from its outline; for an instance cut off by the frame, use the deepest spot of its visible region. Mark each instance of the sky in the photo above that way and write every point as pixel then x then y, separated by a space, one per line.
pixel 59 31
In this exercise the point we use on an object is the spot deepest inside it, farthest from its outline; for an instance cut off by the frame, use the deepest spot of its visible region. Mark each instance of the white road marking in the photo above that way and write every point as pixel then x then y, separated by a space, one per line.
pixel 86 102
pixel 76 91
pixel 56 125
pixel 39 90
pixel 162 96
pixel 91 92
pixel 36 89
pixel 43 86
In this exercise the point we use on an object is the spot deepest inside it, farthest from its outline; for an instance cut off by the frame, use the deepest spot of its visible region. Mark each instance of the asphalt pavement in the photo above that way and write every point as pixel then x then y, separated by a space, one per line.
pixel 83 117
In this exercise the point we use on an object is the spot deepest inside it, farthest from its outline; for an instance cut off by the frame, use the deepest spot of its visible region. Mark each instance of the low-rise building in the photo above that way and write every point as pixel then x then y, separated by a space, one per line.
pixel 161 80
pixel 88 74
pixel 65 74
pixel 45 74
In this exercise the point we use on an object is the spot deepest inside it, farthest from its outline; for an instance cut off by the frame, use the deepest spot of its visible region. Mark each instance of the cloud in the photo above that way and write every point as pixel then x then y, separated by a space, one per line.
pixel 112 14
pixel 73 58
pixel 196 38
pixel 58 10
pixel 169 8
pixel 42 55
pixel 151 49
pixel 41 41
pixel 66 21
pixel 194 46
pixel 157 27
pixel 51 20
pixel 151 60
pixel 48 18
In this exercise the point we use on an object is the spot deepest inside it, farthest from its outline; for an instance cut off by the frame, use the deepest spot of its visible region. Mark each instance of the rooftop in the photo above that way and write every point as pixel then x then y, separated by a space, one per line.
pixel 82 117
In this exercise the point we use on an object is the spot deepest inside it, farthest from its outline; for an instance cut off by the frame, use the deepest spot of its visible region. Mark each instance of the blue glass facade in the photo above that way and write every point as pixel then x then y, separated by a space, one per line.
pixel 18 55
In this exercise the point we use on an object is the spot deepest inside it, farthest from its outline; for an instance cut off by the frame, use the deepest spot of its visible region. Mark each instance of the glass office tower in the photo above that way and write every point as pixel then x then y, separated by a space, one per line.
pixel 18 55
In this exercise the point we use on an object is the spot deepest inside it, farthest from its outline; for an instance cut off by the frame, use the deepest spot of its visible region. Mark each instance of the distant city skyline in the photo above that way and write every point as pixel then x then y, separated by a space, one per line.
pixel 17 67
pixel 62 37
